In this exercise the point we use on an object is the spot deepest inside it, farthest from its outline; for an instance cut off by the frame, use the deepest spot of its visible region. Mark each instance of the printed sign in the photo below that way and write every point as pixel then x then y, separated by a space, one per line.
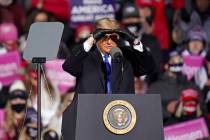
pixel 191 65
pixel 60 79
pixel 88 11
pixel 190 130
pixel 9 66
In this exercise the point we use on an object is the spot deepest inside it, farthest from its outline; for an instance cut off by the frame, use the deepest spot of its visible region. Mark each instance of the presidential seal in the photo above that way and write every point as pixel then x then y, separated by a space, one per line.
pixel 119 117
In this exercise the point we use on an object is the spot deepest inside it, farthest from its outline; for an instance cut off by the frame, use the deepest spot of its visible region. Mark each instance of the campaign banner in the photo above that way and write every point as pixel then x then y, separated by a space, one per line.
pixel 61 80
pixel 88 11
pixel 190 130
pixel 191 65
pixel 9 66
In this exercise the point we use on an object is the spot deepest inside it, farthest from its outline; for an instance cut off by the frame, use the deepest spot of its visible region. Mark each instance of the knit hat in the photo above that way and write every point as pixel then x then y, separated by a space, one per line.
pixel 17 85
pixel 197 33
pixel 189 95
pixel 173 53
pixel 17 90
pixel 8 31
pixel 130 10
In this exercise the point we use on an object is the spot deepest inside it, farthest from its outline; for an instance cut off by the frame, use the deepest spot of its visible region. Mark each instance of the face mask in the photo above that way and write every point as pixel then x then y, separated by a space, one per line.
pixel 32 132
pixel 18 107
pixel 176 68
pixel 149 20
pixel 134 28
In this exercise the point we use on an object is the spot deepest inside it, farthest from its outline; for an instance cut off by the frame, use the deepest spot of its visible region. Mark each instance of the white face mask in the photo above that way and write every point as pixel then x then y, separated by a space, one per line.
pixel 5 2
pixel 176 67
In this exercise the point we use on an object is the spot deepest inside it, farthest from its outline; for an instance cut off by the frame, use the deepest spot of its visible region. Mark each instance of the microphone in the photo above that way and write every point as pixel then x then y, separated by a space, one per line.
pixel 117 55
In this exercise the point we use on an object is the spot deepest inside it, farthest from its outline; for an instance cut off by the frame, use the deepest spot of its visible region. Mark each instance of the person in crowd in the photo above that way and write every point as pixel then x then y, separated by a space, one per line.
pixel 196 42
pixel 176 12
pixel 12 11
pixel 8 37
pixel 154 21
pixel 50 101
pixel 172 9
pixel 203 81
pixel 188 106
pixel 198 15
pixel 15 109
pixel 170 84
pixel 147 13
pixel 3 100
pixel 131 21
pixel 194 51
pixel 35 15
pixel 58 8
pixel 30 129
pixel 38 15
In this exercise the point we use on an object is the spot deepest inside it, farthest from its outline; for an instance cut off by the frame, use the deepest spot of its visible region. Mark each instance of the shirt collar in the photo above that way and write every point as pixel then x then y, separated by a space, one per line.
pixel 109 57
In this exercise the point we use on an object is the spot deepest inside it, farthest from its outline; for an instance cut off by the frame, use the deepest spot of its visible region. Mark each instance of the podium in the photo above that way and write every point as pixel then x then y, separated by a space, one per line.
pixel 99 117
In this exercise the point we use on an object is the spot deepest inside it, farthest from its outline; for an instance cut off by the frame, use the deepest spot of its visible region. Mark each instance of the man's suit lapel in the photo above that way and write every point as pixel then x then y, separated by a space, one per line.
pixel 98 61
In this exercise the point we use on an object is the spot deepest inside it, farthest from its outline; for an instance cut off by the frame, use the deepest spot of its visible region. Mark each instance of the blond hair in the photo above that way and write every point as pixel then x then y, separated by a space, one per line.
pixel 10 123
pixel 106 23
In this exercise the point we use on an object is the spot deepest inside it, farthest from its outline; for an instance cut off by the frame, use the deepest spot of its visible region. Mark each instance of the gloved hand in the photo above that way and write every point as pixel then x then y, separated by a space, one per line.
pixel 131 38
pixel 123 33
pixel 126 35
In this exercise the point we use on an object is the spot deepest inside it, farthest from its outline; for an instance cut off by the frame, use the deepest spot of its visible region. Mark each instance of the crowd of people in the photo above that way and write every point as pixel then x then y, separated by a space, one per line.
pixel 174 31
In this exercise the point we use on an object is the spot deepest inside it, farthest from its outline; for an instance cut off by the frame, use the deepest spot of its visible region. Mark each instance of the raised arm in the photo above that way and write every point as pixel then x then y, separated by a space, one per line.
pixel 73 63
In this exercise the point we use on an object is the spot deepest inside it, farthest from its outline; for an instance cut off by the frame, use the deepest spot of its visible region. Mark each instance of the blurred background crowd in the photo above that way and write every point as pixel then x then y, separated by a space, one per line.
pixel 176 32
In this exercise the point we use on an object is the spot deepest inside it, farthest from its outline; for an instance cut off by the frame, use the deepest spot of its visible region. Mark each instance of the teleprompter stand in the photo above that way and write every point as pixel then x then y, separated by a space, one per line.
pixel 42 44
